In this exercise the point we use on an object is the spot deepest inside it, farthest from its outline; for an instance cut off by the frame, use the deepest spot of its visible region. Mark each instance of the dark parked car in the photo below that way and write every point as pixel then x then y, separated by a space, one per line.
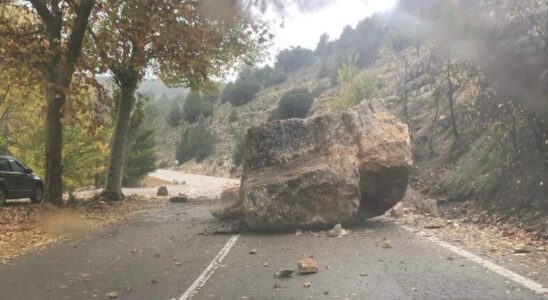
pixel 18 181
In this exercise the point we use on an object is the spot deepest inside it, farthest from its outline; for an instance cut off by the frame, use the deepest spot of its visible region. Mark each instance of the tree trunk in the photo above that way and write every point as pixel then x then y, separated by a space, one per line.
pixel 113 186
pixel 53 185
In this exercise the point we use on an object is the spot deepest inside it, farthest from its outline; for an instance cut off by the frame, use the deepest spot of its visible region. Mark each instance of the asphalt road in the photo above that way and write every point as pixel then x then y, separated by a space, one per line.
pixel 160 254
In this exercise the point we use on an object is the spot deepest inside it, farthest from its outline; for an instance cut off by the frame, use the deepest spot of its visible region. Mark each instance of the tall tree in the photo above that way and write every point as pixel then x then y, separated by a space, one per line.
pixel 184 42
pixel 47 35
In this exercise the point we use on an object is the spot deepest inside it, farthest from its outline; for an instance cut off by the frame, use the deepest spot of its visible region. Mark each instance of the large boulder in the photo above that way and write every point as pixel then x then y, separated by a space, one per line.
pixel 324 170
pixel 230 206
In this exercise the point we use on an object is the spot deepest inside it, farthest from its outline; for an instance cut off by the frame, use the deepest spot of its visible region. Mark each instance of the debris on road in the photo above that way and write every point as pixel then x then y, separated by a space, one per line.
pixel 277 286
pixel 162 191
pixel 252 251
pixel 231 207
pixel 284 273
pixel 307 266
pixel 266 264
pixel 363 274
pixel 181 198
pixel 435 224
pixel 337 231
pixel 387 245
pixel 111 295
pixel 429 207
pixel 307 285
pixel 523 249
pixel 298 232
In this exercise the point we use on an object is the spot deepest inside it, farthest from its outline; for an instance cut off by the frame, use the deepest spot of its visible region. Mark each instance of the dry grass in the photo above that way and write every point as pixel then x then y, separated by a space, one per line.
pixel 26 227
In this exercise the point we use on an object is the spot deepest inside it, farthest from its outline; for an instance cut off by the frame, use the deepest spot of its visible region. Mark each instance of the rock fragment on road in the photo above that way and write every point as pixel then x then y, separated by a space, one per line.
pixel 284 273
pixel 111 295
pixel 162 191
pixel 181 198
pixel 337 231
pixel 307 266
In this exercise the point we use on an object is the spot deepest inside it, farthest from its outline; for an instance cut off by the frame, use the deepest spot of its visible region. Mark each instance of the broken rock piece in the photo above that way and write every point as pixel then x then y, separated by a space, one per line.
pixel 284 273
pixel 181 198
pixel 307 266
pixel 231 207
pixel 337 231
pixel 162 191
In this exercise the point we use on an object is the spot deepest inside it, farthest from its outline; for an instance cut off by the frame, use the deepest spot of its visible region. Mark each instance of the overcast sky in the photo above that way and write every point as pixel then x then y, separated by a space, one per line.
pixel 305 28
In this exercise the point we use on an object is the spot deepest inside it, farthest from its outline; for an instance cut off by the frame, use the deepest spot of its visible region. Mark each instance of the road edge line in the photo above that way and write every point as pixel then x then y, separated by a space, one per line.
pixel 208 272
pixel 489 265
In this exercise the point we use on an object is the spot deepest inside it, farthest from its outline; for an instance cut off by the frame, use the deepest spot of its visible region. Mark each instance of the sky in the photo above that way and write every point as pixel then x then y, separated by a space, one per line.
pixel 305 28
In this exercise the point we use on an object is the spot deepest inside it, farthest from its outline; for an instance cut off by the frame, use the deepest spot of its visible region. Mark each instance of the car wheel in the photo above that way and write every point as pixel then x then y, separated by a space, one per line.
pixel 3 196
pixel 37 195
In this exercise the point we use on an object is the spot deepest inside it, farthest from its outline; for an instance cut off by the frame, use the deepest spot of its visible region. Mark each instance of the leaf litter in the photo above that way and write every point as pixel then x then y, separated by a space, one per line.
pixel 28 227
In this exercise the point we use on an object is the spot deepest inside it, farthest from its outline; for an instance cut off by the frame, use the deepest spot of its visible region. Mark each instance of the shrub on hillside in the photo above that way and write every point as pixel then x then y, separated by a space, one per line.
pixel 277 77
pixel 238 151
pixel 318 90
pixel 175 115
pixel 295 104
pixel 192 108
pixel 293 59
pixel 233 117
pixel 198 142
pixel 355 88
pixel 227 92
pixel 244 92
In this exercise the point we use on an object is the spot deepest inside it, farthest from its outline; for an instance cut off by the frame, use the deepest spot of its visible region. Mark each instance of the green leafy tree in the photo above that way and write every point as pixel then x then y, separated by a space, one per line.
pixel 175 115
pixel 244 92
pixel 48 37
pixel 293 59
pixel 198 141
pixel 354 88
pixel 193 108
pixel 140 158
pixel 238 151
pixel 133 37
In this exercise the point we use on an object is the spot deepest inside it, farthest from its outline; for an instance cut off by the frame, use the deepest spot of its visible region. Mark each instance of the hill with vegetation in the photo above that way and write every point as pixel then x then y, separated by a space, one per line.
pixel 474 141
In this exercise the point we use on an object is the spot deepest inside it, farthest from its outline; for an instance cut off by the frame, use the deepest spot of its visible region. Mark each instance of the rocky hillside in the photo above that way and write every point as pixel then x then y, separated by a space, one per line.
pixel 474 143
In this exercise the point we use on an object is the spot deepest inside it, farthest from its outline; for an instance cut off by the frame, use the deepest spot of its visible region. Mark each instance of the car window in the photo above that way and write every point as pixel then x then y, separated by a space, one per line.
pixel 16 167
pixel 4 165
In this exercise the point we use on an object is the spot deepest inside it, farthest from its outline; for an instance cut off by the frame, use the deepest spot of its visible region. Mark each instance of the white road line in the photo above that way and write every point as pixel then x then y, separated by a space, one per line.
pixel 525 282
pixel 204 277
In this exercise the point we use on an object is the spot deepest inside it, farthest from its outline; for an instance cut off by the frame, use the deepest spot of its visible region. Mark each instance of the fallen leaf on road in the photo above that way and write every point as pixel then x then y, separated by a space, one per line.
pixel 307 266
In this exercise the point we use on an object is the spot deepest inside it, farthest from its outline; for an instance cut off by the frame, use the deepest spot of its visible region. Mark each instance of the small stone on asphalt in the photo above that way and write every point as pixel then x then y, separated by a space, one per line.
pixel 285 273
pixel 111 295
